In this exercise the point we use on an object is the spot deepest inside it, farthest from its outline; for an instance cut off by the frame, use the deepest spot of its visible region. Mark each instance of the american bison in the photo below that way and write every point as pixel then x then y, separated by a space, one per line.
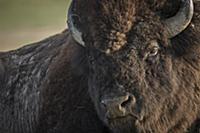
pixel 124 66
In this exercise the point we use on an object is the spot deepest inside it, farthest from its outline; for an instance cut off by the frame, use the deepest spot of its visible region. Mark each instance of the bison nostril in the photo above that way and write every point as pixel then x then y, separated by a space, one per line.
pixel 118 106
pixel 130 100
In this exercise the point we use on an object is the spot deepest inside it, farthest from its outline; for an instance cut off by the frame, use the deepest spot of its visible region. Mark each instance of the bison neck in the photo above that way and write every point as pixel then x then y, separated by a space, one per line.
pixel 66 104
pixel 45 89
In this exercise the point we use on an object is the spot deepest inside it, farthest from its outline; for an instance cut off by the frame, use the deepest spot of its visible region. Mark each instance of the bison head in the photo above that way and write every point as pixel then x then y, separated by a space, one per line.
pixel 133 77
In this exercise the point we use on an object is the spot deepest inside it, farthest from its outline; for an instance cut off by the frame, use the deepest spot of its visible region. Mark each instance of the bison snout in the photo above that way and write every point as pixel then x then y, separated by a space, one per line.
pixel 117 107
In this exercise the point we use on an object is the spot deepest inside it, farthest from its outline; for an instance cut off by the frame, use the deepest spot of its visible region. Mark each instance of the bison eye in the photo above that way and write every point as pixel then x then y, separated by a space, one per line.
pixel 153 51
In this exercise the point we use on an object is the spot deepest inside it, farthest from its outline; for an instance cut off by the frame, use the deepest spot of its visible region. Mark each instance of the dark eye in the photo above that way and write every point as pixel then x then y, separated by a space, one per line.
pixel 153 51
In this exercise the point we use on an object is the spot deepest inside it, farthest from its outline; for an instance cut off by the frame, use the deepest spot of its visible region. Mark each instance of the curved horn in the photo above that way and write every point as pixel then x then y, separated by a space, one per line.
pixel 181 20
pixel 77 35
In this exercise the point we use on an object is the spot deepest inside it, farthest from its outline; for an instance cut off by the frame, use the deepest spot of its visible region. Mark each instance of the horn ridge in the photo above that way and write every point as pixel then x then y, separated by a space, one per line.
pixel 181 20
pixel 77 35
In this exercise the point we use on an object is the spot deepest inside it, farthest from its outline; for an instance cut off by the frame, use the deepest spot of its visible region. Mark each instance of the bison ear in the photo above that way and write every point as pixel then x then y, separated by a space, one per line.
pixel 73 22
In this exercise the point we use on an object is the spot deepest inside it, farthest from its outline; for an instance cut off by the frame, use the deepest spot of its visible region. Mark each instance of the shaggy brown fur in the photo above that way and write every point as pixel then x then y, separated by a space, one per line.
pixel 2 71
pixel 166 87
pixel 55 86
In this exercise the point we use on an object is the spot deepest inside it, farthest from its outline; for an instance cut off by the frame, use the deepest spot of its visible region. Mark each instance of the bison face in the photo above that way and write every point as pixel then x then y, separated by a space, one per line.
pixel 131 77
pixel 130 86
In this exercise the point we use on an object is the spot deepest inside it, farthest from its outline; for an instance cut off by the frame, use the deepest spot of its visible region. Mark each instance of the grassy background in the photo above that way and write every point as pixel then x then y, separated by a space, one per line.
pixel 27 21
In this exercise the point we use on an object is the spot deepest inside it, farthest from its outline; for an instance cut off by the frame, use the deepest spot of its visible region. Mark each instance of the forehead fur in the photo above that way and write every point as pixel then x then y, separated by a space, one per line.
pixel 116 9
pixel 119 14
pixel 109 23
pixel 115 21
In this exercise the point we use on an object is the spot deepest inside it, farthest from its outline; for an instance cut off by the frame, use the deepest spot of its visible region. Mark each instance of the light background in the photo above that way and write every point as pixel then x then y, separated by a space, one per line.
pixel 27 21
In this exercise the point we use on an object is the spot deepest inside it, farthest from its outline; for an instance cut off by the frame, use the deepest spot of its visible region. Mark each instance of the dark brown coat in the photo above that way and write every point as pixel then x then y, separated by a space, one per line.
pixel 46 87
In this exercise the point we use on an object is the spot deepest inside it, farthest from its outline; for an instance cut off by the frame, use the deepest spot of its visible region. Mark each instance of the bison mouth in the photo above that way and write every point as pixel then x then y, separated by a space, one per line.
pixel 131 116
pixel 126 124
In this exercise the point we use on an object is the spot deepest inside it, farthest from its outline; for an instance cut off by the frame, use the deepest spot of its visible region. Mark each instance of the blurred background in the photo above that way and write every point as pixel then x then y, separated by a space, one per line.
pixel 27 21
